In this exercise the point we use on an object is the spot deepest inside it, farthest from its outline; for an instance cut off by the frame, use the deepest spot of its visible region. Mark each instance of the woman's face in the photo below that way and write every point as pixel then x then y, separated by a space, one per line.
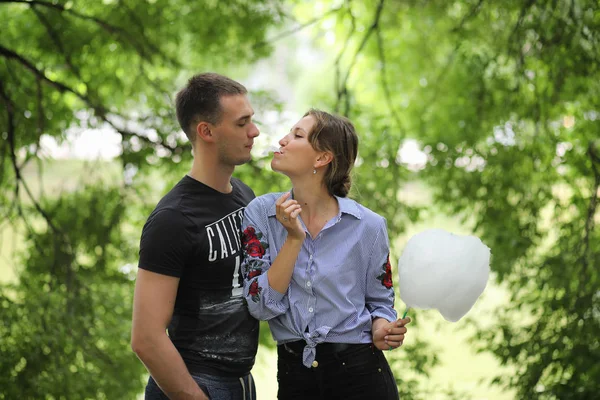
pixel 296 156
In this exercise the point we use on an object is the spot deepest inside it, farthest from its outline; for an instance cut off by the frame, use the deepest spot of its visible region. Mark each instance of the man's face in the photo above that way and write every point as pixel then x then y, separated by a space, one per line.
pixel 235 132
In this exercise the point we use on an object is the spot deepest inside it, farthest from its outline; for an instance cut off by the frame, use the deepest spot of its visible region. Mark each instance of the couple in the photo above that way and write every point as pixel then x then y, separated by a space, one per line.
pixel 214 259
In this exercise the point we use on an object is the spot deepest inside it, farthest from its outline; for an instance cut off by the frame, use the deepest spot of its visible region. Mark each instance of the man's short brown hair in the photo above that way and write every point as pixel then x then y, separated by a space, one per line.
pixel 200 100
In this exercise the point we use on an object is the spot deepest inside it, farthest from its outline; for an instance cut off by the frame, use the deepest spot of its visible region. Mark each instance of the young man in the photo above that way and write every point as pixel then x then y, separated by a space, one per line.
pixel 189 281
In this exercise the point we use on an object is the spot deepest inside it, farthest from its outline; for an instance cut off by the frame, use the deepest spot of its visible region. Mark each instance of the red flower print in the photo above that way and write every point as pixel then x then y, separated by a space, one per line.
pixel 254 291
pixel 255 249
pixel 248 235
pixel 252 244
pixel 254 273
pixel 386 277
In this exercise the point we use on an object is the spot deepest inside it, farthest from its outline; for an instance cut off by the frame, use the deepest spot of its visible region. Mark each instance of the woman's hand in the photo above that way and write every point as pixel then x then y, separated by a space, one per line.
pixel 287 211
pixel 389 335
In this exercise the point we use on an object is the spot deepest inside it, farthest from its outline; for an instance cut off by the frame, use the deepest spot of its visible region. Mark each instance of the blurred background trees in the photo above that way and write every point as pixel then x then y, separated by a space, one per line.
pixel 492 107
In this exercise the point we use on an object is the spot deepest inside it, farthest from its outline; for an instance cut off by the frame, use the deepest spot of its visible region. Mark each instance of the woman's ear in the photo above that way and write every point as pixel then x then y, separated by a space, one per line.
pixel 323 159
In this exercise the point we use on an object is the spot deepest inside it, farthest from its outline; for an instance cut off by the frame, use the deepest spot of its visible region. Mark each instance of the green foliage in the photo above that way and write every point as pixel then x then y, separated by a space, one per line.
pixel 65 325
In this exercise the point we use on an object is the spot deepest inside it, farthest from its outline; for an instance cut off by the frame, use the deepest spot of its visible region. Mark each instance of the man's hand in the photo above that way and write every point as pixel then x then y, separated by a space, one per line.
pixel 389 335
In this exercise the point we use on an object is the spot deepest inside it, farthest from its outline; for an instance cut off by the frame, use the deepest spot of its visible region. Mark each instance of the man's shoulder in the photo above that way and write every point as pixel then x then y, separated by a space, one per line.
pixel 244 189
pixel 166 214
pixel 172 199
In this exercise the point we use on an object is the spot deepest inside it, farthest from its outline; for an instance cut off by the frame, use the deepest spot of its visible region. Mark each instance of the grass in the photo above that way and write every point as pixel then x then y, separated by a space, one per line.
pixel 460 367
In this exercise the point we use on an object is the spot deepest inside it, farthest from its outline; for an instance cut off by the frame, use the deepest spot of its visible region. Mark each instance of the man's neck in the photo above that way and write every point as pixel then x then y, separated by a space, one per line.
pixel 211 174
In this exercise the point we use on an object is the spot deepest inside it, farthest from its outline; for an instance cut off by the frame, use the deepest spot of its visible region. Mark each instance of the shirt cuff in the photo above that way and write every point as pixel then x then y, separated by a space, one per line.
pixel 273 295
pixel 388 314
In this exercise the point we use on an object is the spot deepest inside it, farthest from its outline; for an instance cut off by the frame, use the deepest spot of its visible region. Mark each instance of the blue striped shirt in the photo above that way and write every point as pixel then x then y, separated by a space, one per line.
pixel 341 279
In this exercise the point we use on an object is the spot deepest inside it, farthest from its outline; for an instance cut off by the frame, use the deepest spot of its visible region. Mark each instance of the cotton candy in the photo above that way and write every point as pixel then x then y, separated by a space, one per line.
pixel 444 271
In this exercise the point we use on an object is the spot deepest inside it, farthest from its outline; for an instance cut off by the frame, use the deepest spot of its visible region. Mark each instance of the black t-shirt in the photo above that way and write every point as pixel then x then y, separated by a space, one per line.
pixel 194 233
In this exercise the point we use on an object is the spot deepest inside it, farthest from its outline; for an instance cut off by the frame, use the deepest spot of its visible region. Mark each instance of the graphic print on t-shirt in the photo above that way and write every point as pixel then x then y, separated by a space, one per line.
pixel 224 241
pixel 224 236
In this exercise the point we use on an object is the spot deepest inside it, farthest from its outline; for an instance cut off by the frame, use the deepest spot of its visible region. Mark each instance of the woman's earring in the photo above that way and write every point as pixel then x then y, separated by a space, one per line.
pixel 314 171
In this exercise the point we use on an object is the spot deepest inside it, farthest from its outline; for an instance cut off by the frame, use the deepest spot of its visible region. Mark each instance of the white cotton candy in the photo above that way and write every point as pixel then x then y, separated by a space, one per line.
pixel 444 271
pixel 269 150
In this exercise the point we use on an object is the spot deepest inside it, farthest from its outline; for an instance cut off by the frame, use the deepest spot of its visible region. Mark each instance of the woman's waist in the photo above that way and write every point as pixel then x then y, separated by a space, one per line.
pixel 325 348
pixel 320 336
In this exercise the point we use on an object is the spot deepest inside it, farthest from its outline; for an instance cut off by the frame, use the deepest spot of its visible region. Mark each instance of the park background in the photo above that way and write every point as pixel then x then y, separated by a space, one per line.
pixel 478 117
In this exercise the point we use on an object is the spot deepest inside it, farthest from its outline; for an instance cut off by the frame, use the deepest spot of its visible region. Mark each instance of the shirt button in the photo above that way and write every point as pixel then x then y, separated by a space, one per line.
pixel 315 364
pixel 308 284
pixel 310 309
pixel 310 258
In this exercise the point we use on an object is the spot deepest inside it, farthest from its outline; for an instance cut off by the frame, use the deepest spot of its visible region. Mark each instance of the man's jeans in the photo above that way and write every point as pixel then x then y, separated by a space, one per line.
pixel 215 387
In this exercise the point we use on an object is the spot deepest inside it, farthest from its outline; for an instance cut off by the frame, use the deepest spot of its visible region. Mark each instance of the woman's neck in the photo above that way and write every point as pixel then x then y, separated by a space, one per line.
pixel 318 206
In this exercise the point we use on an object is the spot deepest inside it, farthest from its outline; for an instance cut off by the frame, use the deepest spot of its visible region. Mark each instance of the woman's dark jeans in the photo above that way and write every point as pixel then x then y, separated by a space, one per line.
pixel 356 372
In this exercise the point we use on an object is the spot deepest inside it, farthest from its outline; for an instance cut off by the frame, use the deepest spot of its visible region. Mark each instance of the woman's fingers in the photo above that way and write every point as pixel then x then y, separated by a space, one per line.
pixel 290 209
pixel 285 207
pixel 397 331
pixel 280 203
pixel 393 344
pixel 282 198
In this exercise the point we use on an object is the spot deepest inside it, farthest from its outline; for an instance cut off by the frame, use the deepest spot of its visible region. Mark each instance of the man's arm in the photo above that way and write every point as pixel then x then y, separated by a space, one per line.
pixel 153 304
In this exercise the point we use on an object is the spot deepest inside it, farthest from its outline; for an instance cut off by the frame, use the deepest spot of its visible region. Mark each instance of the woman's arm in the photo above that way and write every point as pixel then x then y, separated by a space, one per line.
pixel 386 330
pixel 266 282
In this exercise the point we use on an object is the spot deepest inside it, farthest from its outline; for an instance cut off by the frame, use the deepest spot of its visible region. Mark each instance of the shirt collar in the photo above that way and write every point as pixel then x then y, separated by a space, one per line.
pixel 347 206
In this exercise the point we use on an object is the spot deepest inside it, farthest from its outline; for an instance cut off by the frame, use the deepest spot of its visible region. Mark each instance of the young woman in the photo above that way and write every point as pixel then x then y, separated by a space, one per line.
pixel 316 266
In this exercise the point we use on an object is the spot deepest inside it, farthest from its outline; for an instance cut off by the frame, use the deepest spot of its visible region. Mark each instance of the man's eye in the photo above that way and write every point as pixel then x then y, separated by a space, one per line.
pixel 242 124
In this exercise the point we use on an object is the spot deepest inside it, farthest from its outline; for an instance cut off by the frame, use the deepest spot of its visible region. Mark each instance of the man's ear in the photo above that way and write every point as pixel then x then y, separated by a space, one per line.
pixel 323 159
pixel 204 131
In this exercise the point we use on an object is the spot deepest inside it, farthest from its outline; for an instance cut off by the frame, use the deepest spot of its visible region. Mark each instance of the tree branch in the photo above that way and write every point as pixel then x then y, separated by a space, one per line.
pixel 9 54
pixel 342 91
pixel 126 134
pixel 127 37
pixel 7 145
pixel 11 139
pixel 589 223
pixel 472 13
pixel 384 82
pixel 296 29
pixel 40 106
pixel 16 169
pixel 98 109
pixel 364 41
pixel 57 42
pixel 524 10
